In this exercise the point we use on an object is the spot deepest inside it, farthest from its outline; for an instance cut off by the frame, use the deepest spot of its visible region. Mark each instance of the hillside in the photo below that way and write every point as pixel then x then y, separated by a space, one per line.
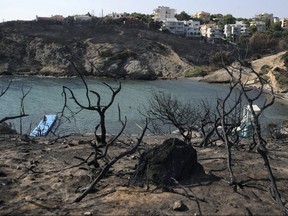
pixel 110 49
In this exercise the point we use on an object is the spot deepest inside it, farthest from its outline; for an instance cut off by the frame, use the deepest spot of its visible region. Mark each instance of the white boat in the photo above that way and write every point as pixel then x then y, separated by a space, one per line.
pixel 44 126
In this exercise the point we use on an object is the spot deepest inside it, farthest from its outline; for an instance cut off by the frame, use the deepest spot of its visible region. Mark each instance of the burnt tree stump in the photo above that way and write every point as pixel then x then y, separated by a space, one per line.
pixel 172 159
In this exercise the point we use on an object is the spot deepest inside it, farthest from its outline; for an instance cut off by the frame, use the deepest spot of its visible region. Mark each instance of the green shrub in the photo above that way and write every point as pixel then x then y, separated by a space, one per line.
pixel 285 59
pixel 124 55
pixel 265 69
pixel 282 78
pixel 121 55
pixel 197 71
pixel 266 77
pixel 221 58
pixel 105 53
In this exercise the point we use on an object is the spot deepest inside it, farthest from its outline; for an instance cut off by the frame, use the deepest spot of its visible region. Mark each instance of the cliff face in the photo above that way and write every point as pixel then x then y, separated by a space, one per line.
pixel 110 50
pixel 273 69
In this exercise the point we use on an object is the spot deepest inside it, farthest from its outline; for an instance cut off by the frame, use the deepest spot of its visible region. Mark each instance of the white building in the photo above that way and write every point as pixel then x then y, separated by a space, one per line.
pixel 162 13
pixel 211 31
pixel 260 25
pixel 59 18
pixel 284 23
pixel 188 28
pixel 276 20
pixel 192 28
pixel 82 18
pixel 174 26
pixel 263 17
pixel 117 15
pixel 235 30
pixel 204 16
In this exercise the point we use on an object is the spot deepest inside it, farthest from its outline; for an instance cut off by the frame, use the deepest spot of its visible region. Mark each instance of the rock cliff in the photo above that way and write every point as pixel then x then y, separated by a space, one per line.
pixel 97 49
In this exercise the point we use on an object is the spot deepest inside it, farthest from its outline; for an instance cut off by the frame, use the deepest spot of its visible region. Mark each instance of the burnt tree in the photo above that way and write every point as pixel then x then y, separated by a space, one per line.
pixel 259 141
pixel 101 162
pixel 163 109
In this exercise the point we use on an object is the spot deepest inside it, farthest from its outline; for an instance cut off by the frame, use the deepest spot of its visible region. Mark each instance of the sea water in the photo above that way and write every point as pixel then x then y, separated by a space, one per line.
pixel 46 97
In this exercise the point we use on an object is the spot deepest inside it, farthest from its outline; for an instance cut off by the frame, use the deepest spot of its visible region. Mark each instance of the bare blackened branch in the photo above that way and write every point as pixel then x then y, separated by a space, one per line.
pixel 3 91
pixel 171 111
pixel 22 98
pixel 258 140
pixel 111 163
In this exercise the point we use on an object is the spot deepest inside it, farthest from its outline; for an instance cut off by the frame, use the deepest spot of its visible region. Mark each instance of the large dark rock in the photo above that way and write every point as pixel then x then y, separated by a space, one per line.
pixel 172 159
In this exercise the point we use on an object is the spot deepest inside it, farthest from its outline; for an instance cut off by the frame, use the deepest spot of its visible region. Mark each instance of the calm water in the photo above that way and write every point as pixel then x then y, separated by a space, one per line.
pixel 45 98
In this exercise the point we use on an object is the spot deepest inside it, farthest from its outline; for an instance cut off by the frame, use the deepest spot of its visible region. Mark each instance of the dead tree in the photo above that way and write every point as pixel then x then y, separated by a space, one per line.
pixel 22 106
pixel 94 104
pixel 229 118
pixel 96 107
pixel 168 110
pixel 258 140
pixel 109 164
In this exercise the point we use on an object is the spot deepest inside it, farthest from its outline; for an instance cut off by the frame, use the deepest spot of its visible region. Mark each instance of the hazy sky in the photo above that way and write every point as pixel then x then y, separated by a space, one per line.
pixel 28 9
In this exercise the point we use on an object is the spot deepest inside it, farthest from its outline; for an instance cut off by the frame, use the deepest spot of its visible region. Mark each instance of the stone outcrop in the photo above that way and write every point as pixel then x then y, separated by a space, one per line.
pixel 172 160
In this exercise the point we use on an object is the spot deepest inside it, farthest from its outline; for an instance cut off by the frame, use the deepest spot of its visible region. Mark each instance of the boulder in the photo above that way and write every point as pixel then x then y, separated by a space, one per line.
pixel 136 70
pixel 173 159
pixel 179 206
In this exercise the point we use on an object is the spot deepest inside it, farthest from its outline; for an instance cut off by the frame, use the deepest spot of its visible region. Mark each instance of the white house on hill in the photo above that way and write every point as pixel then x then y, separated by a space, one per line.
pixel 235 30
pixel 186 28
pixel 284 23
pixel 173 25
pixel 162 13
pixel 192 28
pixel 211 31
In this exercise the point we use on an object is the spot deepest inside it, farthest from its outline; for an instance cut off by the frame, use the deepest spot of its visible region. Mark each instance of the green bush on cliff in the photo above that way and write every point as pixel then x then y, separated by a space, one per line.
pixel 120 55
pixel 221 58
pixel 265 69
pixel 105 53
pixel 124 54
pixel 281 76
pixel 197 71
pixel 285 59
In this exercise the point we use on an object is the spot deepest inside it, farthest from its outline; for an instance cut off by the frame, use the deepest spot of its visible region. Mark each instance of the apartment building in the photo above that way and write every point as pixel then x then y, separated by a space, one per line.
pixel 263 17
pixel 117 15
pixel 204 16
pixel 82 18
pixel 192 29
pixel 234 31
pixel 162 13
pixel 174 26
pixel 58 18
pixel 260 25
pixel 211 31
pixel 284 23
pixel 186 28
pixel 276 19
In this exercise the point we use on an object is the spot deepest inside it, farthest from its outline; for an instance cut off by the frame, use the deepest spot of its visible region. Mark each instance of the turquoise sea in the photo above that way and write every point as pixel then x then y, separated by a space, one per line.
pixel 45 98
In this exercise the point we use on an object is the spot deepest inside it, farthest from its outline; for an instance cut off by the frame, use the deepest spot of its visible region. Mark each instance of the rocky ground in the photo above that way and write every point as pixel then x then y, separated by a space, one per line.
pixel 37 178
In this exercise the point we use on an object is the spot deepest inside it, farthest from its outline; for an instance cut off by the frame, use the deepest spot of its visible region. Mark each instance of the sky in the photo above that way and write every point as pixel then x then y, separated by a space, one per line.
pixel 28 9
